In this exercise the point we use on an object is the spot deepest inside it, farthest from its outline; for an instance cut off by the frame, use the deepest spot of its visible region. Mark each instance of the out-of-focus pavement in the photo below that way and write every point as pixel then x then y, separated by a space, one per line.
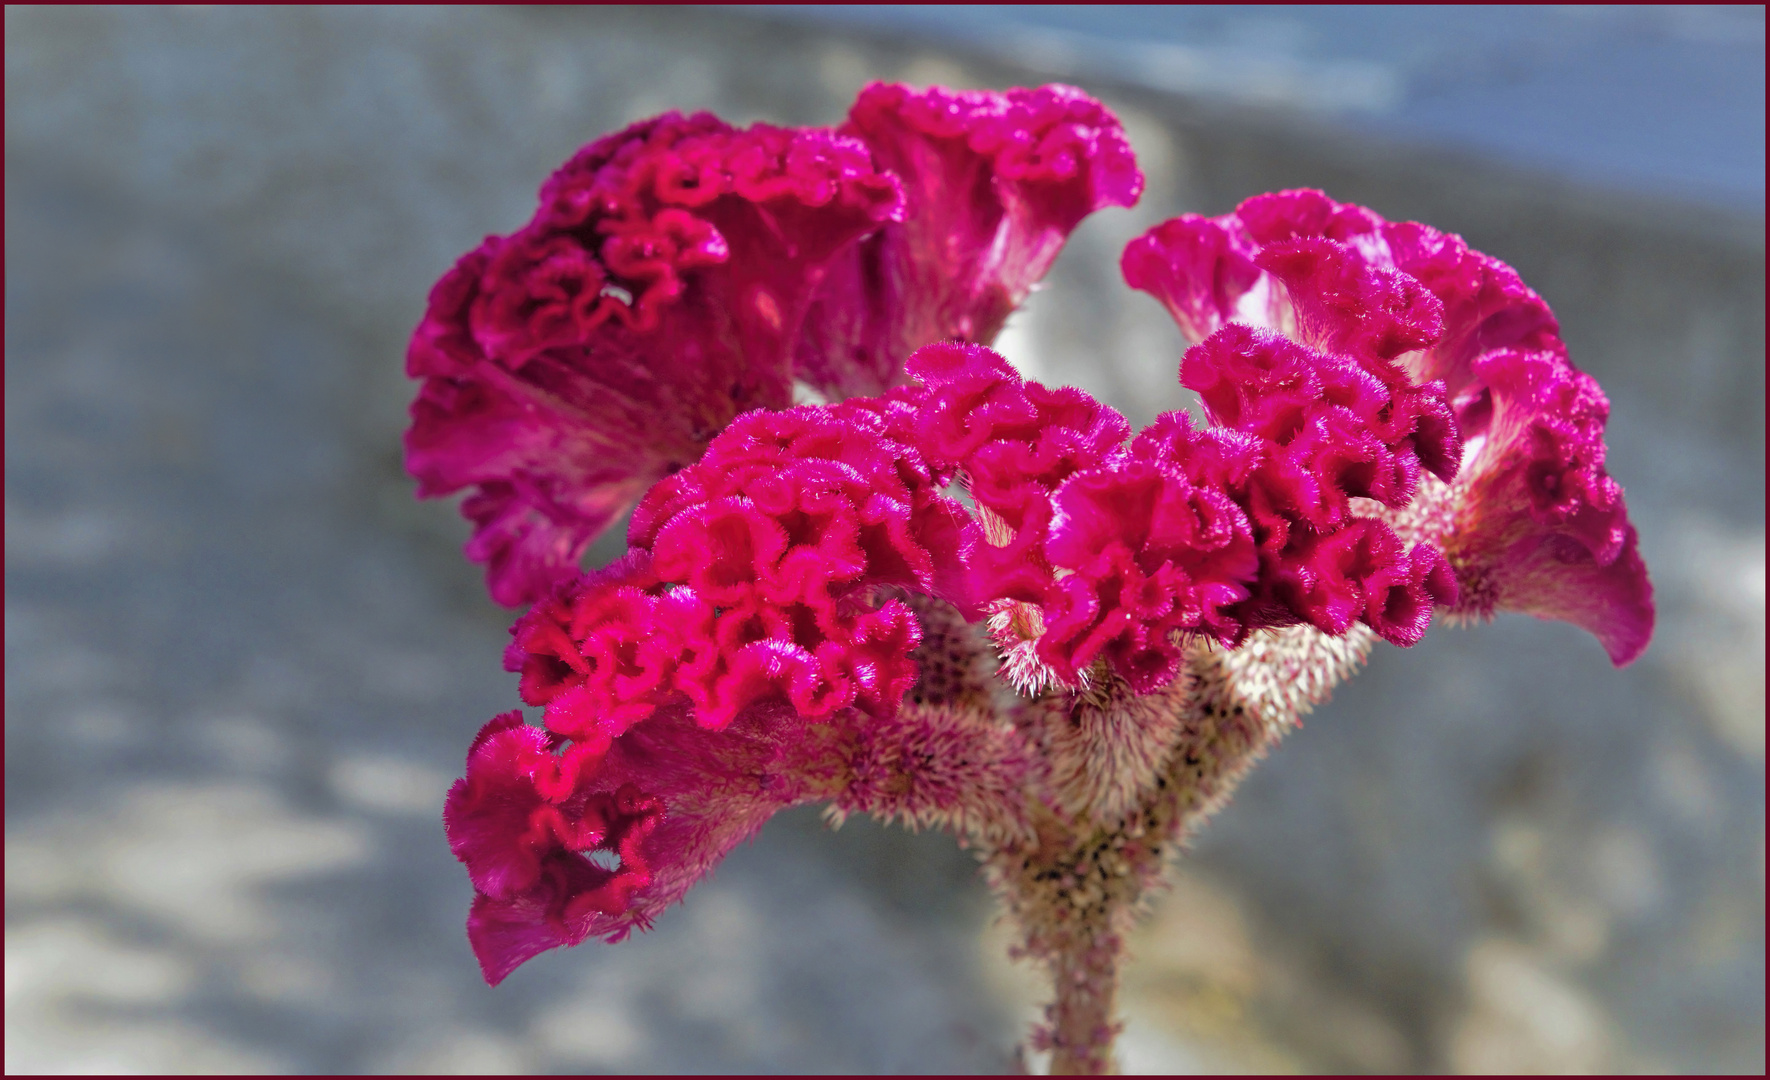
pixel 242 664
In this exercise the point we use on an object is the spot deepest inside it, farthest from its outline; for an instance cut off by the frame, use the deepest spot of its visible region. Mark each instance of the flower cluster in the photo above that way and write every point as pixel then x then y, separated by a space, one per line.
pixel 681 272
pixel 1299 334
pixel 1393 428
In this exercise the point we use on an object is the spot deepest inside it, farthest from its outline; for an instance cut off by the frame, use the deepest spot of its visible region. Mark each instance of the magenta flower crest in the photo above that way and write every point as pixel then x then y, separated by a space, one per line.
pixel 681 272
pixel 955 597
pixel 1532 522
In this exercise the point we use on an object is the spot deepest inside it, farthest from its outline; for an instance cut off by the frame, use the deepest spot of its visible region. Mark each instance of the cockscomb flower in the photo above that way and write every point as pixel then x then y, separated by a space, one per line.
pixel 654 296
pixel 752 575
pixel 754 596
pixel 954 597
pixel 1531 521
pixel 681 272
pixel 1082 548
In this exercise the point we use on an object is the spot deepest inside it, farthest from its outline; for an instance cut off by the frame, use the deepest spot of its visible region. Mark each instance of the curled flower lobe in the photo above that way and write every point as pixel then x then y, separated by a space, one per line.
pixel 656 294
pixel 1536 524
pixel 993 184
pixel 563 847
pixel 527 828
pixel 651 815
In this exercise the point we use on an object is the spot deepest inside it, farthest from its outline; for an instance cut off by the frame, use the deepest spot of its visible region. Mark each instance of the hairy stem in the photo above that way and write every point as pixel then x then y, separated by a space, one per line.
pixel 1127 779
pixel 1080 1019
pixel 1072 895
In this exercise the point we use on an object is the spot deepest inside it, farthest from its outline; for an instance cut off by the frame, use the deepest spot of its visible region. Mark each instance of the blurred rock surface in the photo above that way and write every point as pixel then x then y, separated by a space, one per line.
pixel 242 664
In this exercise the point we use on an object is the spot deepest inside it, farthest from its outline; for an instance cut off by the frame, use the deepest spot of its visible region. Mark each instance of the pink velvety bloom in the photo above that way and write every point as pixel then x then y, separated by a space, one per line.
pixel 1017 442
pixel 681 272
pixel 993 185
pixel 751 579
pixel 1472 370
pixel 655 295
pixel 1366 385
pixel 1120 555
pixel 707 672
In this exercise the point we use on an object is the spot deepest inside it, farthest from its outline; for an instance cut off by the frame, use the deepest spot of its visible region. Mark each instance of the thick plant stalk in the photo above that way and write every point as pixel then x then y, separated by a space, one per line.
pixel 1075 890
pixel 1091 900
pixel 1130 778
pixel 1073 899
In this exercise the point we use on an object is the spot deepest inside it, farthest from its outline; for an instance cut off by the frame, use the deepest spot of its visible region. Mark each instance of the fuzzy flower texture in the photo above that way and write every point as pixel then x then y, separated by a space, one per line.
pixel 955 597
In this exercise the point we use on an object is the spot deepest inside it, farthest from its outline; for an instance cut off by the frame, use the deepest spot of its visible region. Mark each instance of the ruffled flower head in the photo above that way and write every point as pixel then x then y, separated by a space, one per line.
pixel 1398 321
pixel 755 625
pixel 748 618
pixel 682 271
pixel 655 295
pixel 1391 427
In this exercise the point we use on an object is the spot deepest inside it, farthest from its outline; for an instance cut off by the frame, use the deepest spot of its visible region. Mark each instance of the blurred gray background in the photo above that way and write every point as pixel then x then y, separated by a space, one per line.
pixel 242 663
